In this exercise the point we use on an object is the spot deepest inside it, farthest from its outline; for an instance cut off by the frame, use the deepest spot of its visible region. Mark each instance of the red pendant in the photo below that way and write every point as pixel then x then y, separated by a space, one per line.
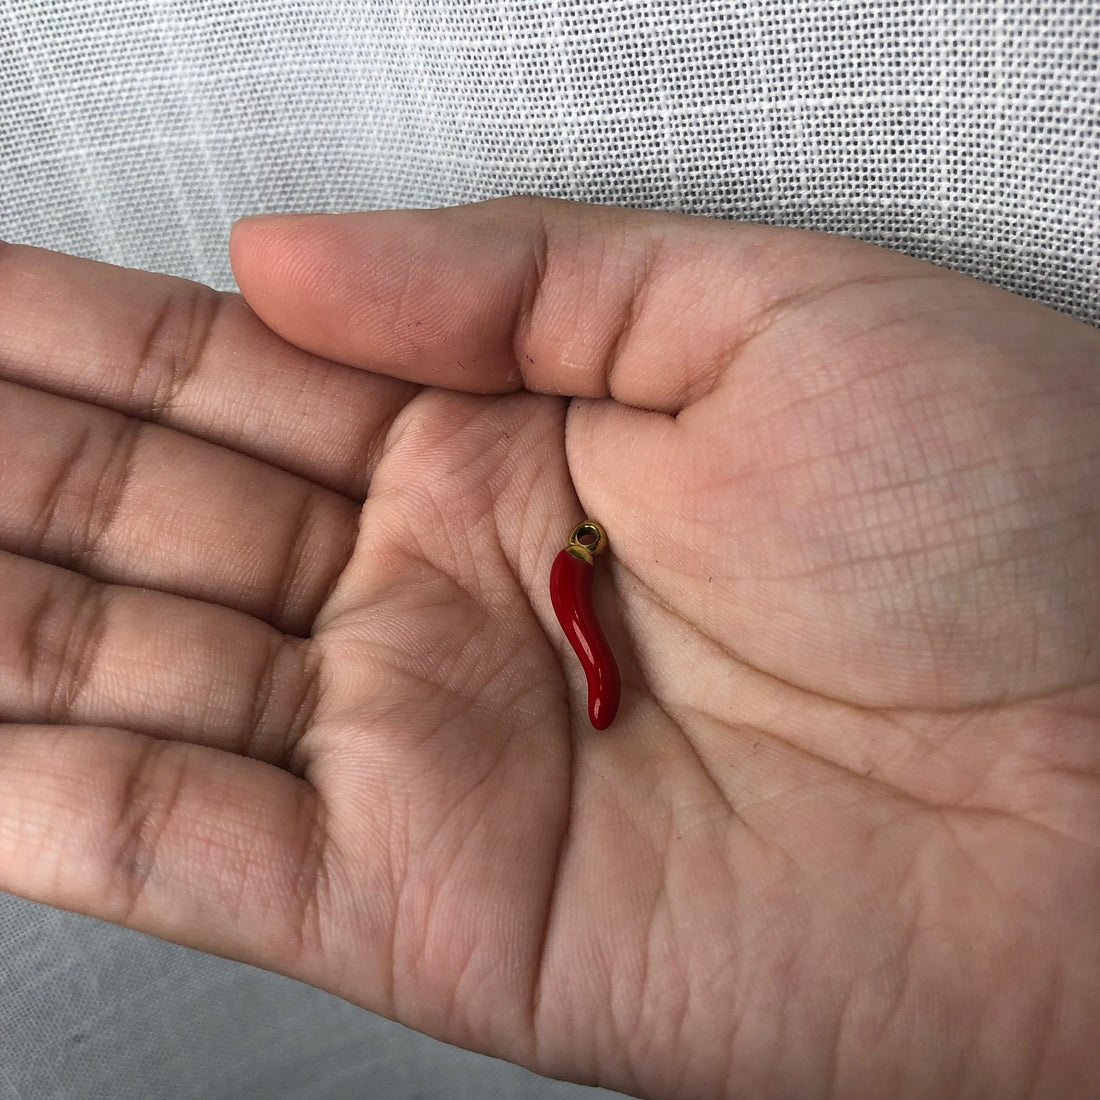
pixel 571 595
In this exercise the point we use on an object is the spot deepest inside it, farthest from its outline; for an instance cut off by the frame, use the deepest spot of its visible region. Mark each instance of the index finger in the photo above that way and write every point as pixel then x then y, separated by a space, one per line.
pixel 183 355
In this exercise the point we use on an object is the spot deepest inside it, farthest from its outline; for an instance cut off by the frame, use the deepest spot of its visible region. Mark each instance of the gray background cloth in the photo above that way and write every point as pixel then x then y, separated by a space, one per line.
pixel 135 131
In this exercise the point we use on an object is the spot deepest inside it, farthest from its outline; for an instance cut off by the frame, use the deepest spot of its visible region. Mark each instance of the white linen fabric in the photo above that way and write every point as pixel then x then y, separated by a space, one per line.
pixel 965 133
pixel 135 131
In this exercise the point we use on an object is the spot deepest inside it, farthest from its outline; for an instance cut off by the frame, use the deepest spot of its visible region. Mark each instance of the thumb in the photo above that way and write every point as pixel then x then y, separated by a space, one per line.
pixel 552 296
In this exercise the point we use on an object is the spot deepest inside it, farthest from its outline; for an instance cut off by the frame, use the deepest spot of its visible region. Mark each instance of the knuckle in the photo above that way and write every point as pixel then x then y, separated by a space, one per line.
pixel 312 865
pixel 173 345
pixel 63 641
pixel 599 274
pixel 532 290
pixel 77 505
pixel 107 490
pixel 148 799
pixel 283 702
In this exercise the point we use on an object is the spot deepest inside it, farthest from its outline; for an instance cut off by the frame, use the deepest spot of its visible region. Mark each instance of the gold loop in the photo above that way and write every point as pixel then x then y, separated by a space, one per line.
pixel 589 538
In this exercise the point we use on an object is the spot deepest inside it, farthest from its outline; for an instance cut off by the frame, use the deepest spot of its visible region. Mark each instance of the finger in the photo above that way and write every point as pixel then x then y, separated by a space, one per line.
pixel 135 503
pixel 180 354
pixel 189 844
pixel 557 297
pixel 73 651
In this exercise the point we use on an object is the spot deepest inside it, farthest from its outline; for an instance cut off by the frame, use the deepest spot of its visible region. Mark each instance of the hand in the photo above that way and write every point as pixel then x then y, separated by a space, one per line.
pixel 283 682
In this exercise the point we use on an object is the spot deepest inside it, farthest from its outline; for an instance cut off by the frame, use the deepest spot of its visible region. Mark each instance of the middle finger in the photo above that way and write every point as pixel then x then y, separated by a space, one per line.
pixel 133 503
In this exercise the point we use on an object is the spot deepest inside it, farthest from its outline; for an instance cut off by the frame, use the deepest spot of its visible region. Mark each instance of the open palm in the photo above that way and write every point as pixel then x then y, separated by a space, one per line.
pixel 282 681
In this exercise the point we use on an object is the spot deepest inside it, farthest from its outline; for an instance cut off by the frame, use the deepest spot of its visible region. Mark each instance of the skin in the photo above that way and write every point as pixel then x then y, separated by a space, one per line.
pixel 281 680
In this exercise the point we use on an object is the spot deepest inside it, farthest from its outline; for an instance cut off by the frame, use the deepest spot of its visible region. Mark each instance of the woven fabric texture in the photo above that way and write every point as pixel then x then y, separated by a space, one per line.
pixel 135 131
pixel 965 133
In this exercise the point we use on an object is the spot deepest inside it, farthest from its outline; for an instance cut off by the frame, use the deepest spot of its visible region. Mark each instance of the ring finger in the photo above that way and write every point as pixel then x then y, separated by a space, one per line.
pixel 74 651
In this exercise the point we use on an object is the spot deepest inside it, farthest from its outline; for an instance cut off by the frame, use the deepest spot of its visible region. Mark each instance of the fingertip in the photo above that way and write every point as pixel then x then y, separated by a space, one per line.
pixel 278 262
pixel 254 234
pixel 245 234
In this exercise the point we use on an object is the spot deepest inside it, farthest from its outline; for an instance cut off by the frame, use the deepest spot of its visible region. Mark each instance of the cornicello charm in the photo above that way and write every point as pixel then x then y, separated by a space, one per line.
pixel 571 595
